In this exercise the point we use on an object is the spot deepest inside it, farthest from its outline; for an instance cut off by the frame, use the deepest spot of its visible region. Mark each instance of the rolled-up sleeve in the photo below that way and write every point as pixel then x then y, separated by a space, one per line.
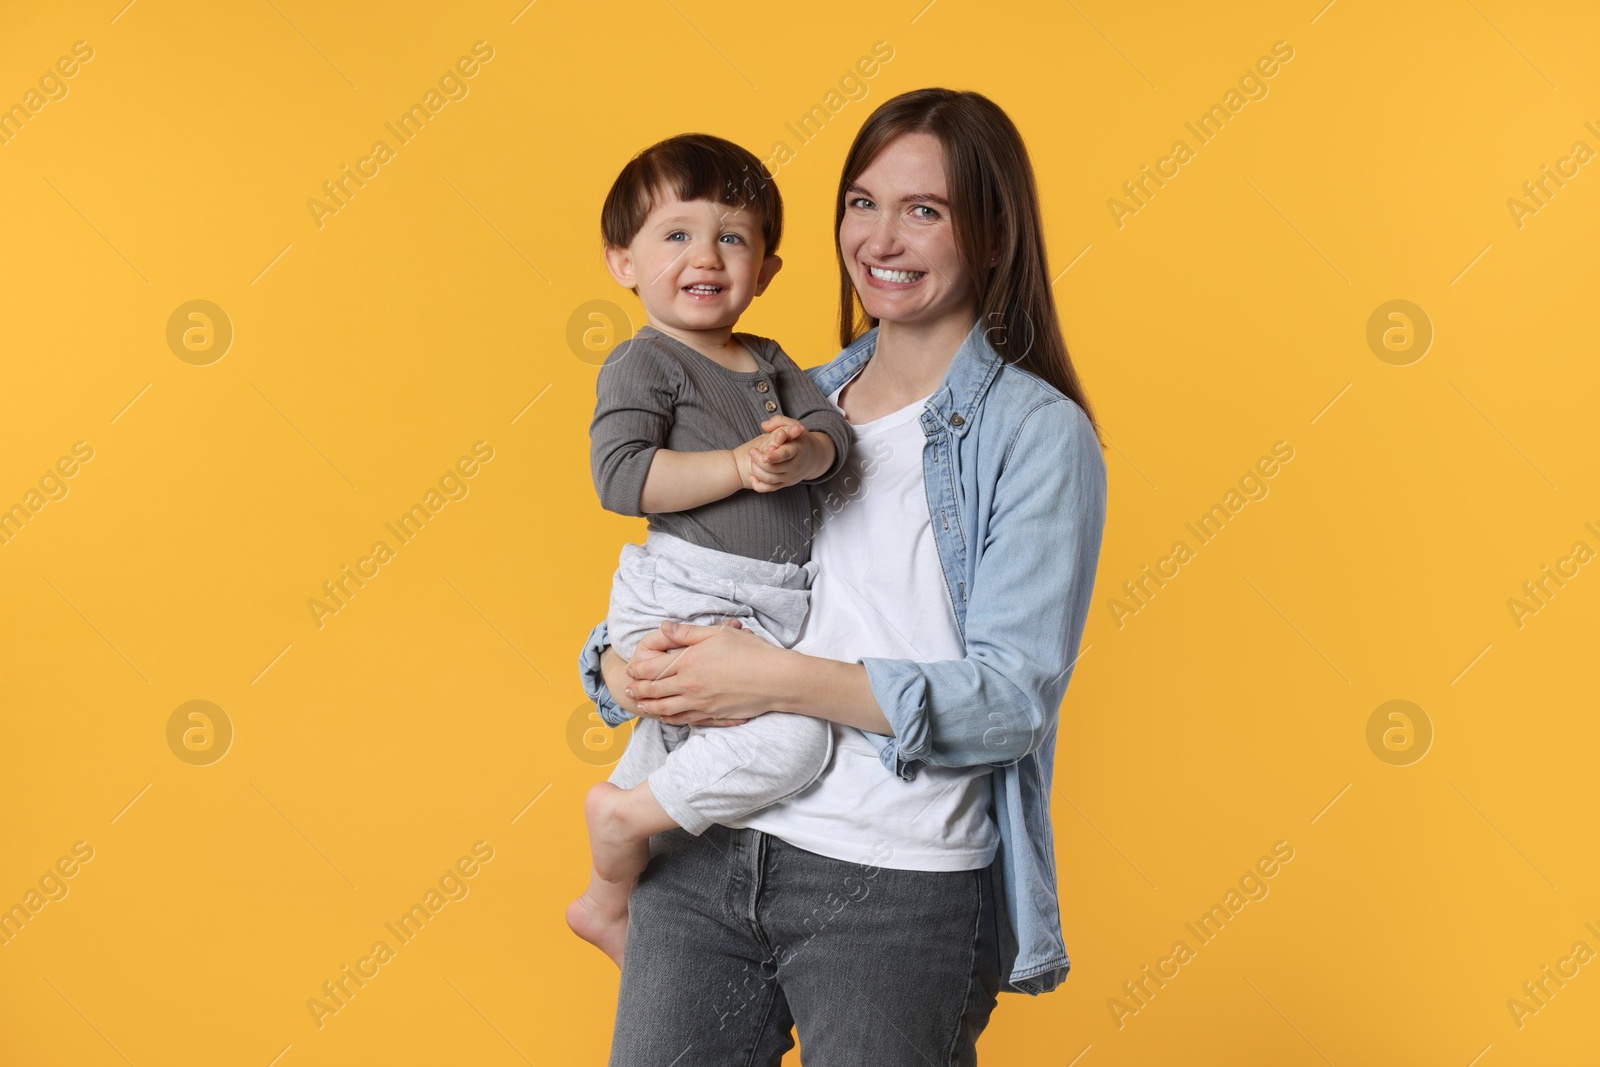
pixel 636 392
pixel 593 679
pixel 1025 614
pixel 806 404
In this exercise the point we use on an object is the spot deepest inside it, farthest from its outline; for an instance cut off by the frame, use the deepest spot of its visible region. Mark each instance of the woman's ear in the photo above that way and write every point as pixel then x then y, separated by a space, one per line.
pixel 769 268
pixel 619 261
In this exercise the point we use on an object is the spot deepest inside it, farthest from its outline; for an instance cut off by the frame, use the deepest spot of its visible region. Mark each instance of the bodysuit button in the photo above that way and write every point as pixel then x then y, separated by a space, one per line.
pixel 762 387
pixel 770 406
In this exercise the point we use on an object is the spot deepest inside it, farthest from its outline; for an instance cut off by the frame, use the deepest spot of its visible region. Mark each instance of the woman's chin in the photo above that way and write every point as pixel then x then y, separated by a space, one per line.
pixel 893 311
pixel 885 308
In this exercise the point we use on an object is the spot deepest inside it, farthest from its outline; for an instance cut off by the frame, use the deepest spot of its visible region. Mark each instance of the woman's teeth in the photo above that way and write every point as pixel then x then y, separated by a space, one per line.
pixel 896 275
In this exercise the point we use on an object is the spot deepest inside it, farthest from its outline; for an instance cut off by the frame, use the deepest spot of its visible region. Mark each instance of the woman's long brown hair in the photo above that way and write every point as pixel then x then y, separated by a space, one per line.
pixel 994 206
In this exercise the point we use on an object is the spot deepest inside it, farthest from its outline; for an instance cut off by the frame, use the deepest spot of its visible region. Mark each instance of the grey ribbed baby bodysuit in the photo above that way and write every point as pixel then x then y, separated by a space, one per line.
pixel 654 391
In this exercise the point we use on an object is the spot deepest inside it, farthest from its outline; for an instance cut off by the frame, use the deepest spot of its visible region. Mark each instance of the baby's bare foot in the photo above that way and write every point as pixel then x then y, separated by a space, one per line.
pixel 599 921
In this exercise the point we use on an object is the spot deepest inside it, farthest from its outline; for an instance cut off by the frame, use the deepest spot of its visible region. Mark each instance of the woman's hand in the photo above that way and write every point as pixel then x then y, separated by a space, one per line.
pixel 703 675
pixel 618 681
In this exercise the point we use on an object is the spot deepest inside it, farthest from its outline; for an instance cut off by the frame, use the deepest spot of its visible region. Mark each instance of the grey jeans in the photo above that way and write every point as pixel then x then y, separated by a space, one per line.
pixel 736 938
pixel 714 773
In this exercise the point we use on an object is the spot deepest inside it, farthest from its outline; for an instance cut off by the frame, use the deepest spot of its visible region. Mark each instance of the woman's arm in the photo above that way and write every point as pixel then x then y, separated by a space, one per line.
pixel 1025 614
pixel 715 673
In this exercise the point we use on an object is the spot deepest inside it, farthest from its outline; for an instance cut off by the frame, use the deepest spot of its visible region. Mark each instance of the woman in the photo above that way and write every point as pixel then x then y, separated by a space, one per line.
pixel 881 910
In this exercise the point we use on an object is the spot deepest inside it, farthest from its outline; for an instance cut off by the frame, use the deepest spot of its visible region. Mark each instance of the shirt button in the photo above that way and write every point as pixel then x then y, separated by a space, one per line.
pixel 762 387
pixel 956 419
pixel 770 406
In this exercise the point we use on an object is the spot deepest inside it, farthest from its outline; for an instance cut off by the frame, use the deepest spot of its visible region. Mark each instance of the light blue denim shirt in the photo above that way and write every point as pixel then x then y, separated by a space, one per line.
pixel 1016 488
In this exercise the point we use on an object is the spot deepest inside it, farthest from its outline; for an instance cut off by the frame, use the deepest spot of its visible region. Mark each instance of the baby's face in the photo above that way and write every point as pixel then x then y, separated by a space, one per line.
pixel 697 264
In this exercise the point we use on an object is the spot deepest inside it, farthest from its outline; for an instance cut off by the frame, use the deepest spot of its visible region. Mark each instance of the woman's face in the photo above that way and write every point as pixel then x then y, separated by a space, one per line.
pixel 897 237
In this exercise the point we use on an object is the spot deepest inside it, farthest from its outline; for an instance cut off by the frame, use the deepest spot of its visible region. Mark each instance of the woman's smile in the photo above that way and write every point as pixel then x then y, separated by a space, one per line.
pixel 887 278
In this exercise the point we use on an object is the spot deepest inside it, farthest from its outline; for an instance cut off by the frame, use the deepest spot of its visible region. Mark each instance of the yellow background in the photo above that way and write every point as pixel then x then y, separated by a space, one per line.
pixel 436 709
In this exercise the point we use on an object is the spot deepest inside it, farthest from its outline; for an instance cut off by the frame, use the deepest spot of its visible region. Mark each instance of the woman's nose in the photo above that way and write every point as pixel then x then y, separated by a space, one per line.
pixel 885 237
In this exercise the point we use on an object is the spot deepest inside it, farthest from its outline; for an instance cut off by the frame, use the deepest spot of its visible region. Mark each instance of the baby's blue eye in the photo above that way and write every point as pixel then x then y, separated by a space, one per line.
pixel 734 236
pixel 676 234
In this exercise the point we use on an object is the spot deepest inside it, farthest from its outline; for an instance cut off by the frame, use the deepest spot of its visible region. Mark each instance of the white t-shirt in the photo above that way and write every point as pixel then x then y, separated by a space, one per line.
pixel 880 592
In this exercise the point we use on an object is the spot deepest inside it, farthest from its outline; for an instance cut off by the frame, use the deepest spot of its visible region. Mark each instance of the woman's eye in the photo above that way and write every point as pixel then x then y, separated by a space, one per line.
pixel 931 214
pixel 859 200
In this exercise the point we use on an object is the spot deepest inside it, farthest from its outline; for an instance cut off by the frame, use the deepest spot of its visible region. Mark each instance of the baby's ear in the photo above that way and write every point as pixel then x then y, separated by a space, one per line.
pixel 619 261
pixel 769 267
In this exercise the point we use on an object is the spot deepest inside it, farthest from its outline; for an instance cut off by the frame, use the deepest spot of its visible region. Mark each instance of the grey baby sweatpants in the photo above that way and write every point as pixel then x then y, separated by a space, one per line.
pixel 703 775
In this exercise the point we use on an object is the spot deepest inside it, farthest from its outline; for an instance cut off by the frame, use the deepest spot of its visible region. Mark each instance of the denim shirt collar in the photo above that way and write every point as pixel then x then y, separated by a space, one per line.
pixel 953 404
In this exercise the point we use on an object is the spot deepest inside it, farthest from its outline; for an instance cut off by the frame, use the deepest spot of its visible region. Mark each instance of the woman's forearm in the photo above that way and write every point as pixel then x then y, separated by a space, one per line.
pixel 733 674
pixel 826 689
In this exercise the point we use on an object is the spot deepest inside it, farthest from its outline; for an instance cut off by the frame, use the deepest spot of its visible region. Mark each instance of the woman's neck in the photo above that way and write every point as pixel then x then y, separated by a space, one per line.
pixel 915 357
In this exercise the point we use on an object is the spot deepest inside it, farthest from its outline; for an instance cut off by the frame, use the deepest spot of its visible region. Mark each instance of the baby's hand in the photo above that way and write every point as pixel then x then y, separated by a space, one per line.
pixel 754 457
pixel 788 453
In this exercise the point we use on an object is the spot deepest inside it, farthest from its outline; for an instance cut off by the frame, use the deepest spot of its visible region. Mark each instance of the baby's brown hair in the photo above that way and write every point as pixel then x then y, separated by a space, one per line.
pixel 695 166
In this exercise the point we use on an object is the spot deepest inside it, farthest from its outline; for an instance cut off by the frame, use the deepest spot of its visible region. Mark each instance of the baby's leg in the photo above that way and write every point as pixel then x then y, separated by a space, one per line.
pixel 724 773
pixel 620 824
pixel 621 814
pixel 647 793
